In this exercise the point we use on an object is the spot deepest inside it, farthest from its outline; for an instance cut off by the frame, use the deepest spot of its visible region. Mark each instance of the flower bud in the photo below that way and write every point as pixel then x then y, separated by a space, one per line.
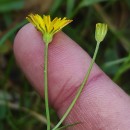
pixel 100 32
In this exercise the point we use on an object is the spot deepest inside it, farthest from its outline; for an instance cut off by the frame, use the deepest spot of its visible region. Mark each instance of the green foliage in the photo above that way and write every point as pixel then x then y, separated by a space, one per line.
pixel 1 126
pixel 55 6
pixel 70 7
pixel 9 5
pixel 3 112
pixel 85 3
pixel 26 110
pixel 11 31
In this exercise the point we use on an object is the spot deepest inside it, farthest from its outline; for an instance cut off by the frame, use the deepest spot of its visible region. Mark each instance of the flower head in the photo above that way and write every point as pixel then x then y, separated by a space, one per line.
pixel 100 33
pixel 47 27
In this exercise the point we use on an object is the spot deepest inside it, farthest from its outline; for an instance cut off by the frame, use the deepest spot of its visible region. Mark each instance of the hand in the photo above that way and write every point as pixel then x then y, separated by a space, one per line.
pixel 102 104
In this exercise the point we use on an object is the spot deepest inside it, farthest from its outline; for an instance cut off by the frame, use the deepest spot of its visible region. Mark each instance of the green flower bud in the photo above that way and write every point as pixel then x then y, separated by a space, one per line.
pixel 100 32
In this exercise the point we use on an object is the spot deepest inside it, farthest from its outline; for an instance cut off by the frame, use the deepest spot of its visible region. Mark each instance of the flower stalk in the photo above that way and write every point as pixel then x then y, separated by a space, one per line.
pixel 80 89
pixel 48 28
pixel 46 85
pixel 100 32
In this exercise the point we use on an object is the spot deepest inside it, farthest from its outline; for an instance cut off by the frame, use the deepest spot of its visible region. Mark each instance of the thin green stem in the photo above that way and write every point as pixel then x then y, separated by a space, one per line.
pixel 46 85
pixel 80 89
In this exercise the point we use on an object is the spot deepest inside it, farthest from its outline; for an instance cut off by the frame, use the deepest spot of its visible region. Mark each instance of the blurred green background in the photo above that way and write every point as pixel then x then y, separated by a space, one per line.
pixel 20 106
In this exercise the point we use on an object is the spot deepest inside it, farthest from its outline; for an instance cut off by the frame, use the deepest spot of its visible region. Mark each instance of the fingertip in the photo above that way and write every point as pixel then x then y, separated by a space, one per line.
pixel 63 54
pixel 25 38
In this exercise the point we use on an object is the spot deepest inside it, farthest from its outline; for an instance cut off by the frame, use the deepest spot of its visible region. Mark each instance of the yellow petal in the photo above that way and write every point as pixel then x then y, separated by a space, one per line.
pixel 46 26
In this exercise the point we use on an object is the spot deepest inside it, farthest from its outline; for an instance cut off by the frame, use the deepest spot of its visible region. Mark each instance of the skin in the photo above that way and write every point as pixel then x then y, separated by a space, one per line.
pixel 102 104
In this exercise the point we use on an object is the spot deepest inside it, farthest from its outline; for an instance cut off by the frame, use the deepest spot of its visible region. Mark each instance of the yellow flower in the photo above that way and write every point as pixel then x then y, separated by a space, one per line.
pixel 101 31
pixel 47 27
